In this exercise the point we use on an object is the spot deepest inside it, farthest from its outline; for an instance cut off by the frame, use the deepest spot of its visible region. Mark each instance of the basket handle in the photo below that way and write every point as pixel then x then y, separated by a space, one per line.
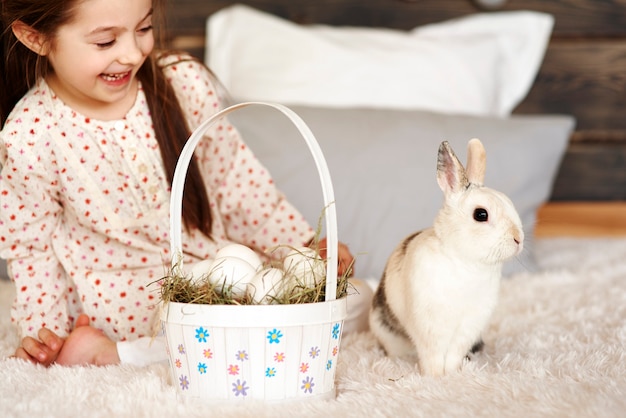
pixel 178 183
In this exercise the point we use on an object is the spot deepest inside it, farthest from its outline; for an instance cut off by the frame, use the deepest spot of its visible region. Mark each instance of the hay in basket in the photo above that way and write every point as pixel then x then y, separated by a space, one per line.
pixel 228 350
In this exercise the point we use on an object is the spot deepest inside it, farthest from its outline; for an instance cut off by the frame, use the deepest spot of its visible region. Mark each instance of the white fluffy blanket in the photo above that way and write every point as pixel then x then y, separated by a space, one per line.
pixel 556 347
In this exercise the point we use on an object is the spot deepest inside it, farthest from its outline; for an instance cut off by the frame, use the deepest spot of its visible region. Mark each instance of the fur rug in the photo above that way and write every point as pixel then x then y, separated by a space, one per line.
pixel 556 347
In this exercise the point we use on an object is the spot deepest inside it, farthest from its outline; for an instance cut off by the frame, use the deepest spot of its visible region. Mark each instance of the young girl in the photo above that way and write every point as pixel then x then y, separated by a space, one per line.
pixel 93 121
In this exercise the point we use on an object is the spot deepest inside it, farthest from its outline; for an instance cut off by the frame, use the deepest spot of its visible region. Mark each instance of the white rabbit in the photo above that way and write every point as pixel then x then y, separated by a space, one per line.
pixel 441 285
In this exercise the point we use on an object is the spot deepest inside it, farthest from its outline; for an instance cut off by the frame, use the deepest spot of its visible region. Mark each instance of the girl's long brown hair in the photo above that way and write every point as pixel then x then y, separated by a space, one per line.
pixel 20 68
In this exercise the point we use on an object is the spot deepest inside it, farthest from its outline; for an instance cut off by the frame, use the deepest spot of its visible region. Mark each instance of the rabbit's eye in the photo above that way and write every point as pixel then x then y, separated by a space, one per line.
pixel 481 215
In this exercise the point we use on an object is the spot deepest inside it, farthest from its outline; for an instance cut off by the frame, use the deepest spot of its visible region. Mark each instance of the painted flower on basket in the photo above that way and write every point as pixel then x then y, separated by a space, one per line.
pixel 242 355
pixel 201 368
pixel 304 367
pixel 336 331
pixel 184 382
pixel 181 349
pixel 279 357
pixel 307 385
pixel 202 335
pixel 329 364
pixel 274 336
pixel 240 388
pixel 315 351
pixel 208 354
pixel 178 363
pixel 335 350
pixel 270 372
pixel 233 370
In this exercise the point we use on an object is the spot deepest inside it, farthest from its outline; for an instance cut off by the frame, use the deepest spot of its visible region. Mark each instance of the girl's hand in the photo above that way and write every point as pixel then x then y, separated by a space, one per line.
pixel 43 351
pixel 345 264
pixel 84 345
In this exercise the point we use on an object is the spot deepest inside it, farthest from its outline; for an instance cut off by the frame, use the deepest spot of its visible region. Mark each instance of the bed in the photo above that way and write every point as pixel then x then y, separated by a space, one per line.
pixel 556 144
pixel 582 74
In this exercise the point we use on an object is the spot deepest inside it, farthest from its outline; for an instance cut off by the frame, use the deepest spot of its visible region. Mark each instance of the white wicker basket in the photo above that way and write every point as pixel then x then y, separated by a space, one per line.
pixel 234 353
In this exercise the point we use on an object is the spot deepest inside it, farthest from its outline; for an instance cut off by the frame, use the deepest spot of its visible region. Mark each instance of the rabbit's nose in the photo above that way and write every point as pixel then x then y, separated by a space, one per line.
pixel 519 242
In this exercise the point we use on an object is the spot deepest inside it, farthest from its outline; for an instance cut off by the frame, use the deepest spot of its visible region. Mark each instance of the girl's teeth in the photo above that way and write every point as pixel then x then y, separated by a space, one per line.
pixel 112 77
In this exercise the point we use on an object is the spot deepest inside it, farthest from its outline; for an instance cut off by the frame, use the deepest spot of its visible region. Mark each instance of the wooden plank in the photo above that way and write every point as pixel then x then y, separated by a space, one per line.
pixel 598 18
pixel 577 18
pixel 592 172
pixel 581 219
pixel 584 78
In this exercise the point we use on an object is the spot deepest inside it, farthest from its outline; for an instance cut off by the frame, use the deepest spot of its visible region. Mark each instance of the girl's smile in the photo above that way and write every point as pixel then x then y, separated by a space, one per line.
pixel 116 80
pixel 115 77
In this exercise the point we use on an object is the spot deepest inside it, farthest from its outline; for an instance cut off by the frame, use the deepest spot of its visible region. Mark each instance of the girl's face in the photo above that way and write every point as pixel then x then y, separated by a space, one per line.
pixel 96 56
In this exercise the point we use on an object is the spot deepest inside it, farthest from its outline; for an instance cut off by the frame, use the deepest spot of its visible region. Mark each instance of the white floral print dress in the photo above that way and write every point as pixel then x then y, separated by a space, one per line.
pixel 84 207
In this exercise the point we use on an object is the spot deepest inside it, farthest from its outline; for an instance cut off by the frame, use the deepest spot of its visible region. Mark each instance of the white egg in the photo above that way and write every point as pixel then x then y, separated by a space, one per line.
pixel 240 251
pixel 231 275
pixel 305 267
pixel 267 285
pixel 200 270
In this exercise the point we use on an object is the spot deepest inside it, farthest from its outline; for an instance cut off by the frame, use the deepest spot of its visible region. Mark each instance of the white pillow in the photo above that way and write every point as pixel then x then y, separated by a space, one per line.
pixel 383 167
pixel 482 64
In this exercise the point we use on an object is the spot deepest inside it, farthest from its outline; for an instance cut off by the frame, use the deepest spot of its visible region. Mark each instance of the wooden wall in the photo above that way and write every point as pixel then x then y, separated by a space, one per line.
pixel 583 73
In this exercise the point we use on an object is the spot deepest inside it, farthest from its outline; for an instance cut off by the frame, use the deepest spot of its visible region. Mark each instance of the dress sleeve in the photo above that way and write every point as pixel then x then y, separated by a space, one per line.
pixel 253 211
pixel 143 351
pixel 29 217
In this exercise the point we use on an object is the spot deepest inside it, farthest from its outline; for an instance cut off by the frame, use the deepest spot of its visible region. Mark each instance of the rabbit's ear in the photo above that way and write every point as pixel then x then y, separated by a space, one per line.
pixel 476 162
pixel 450 172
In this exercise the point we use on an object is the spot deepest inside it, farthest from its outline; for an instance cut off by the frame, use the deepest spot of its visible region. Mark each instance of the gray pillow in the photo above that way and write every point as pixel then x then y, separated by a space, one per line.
pixel 3 269
pixel 383 166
